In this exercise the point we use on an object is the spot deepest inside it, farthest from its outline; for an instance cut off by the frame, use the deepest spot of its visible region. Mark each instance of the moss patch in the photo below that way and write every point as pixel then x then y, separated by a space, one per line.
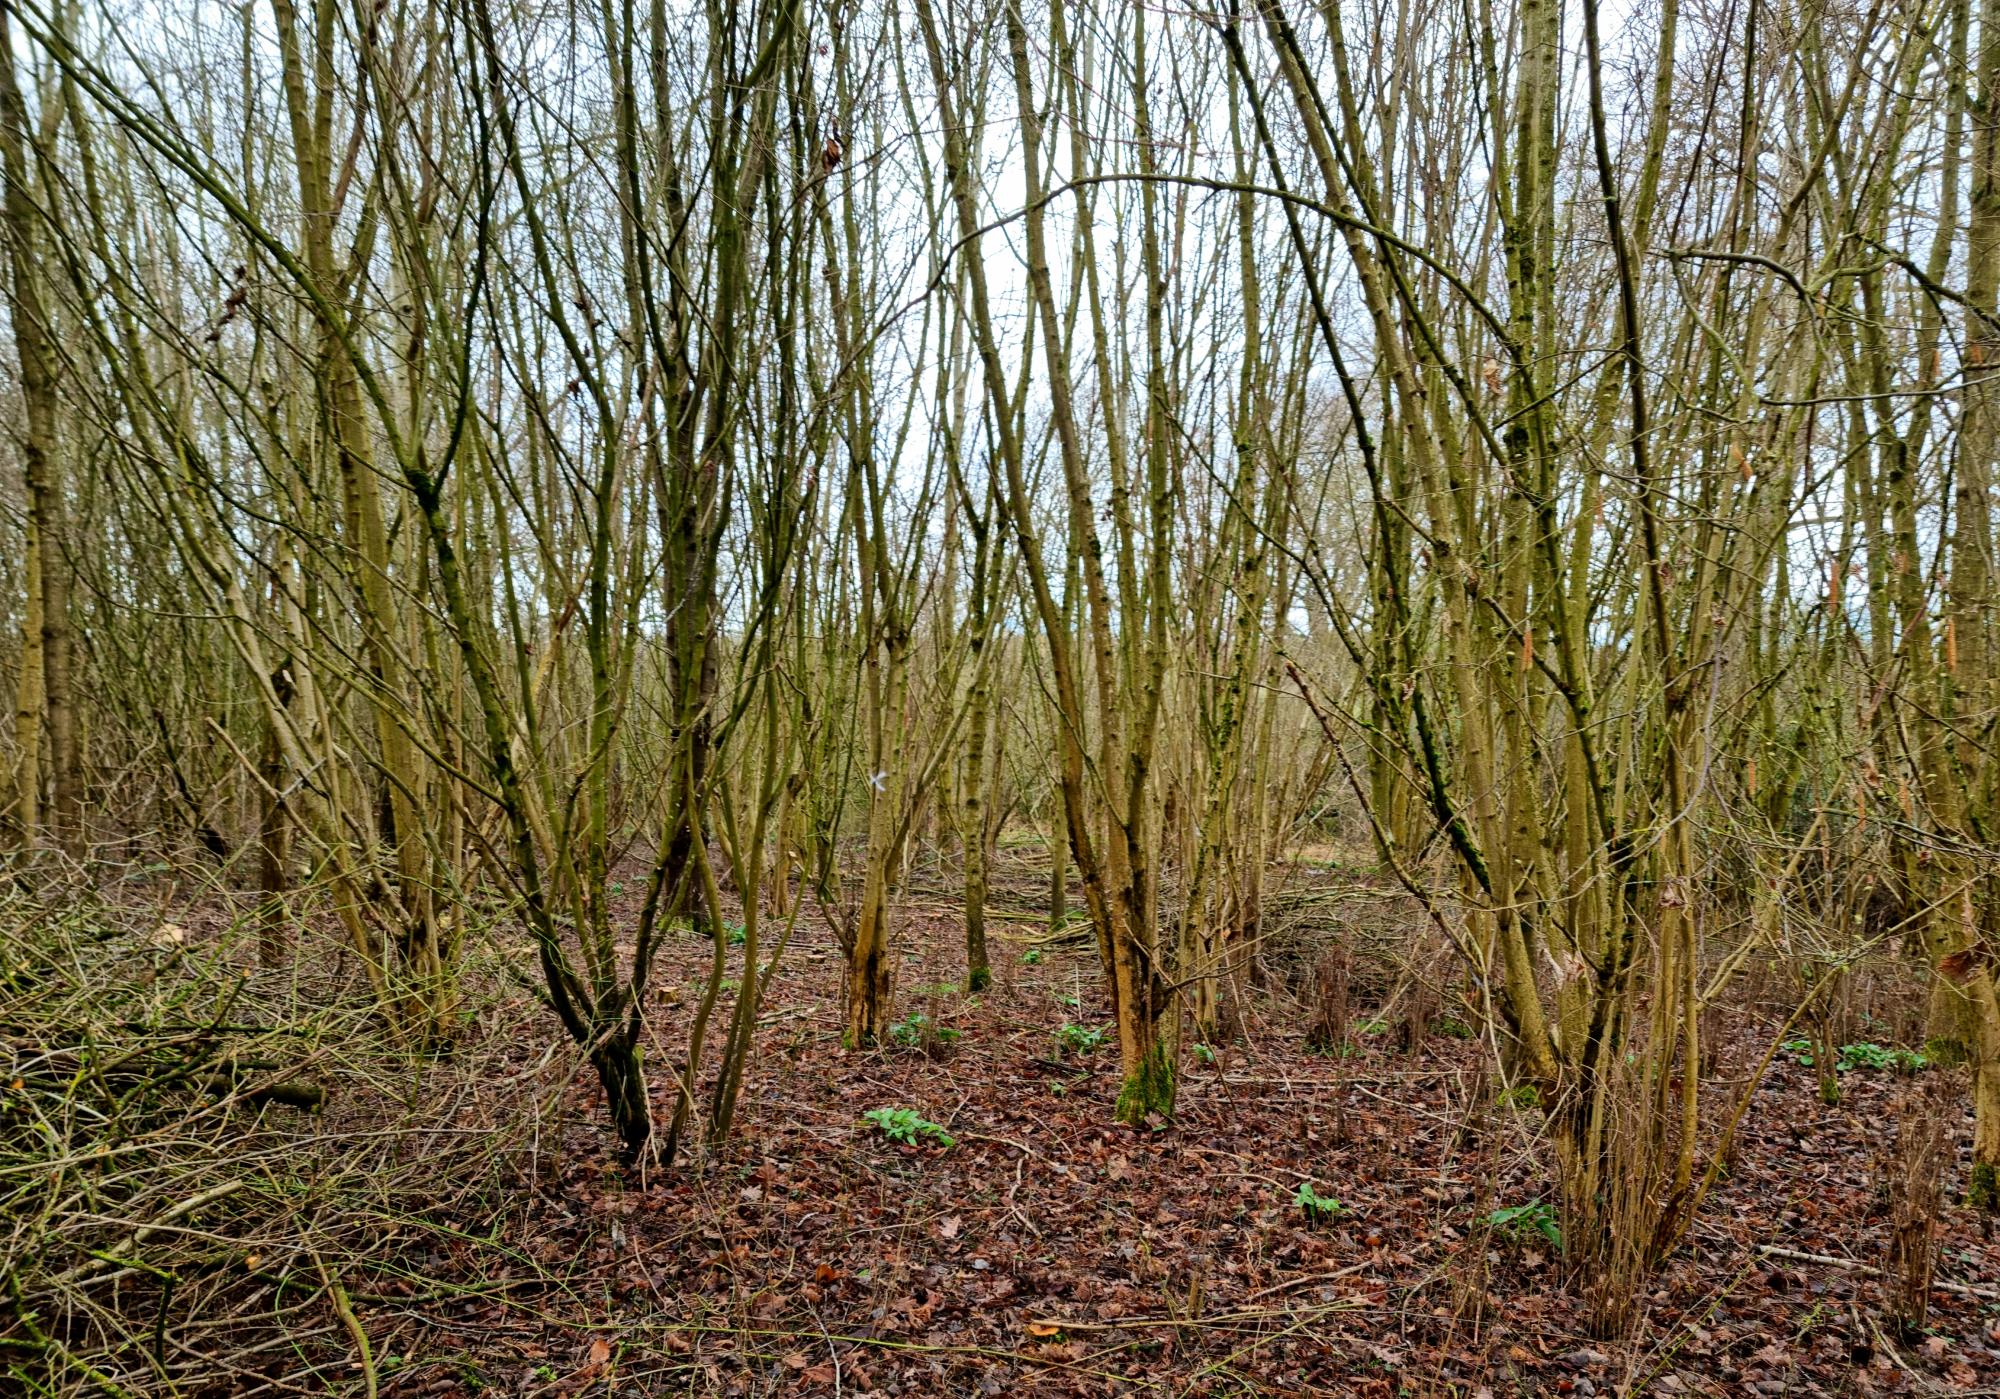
pixel 1984 1191
pixel 1150 1090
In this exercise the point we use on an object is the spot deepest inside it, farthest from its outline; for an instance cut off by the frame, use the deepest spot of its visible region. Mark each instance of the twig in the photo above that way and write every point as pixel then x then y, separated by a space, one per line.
pixel 1015 1209
pixel 1963 1289
pixel 1310 1278
pixel 345 1311
pixel 146 1231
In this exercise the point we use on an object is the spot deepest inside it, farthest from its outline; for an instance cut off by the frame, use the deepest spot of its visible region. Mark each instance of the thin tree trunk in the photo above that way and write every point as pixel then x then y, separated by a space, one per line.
pixel 42 686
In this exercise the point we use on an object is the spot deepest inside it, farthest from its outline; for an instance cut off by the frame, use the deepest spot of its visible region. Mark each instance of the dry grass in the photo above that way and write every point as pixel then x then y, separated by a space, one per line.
pixel 201 1162
pixel 1915 1188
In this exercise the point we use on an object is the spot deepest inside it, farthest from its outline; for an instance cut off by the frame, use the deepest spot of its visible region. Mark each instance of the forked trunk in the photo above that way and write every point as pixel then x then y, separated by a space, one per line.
pixel 870 988
pixel 621 1070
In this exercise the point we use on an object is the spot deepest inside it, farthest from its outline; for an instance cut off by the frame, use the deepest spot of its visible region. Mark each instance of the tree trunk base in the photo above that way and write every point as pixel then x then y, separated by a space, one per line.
pixel 1149 1089
pixel 1982 1192
pixel 621 1069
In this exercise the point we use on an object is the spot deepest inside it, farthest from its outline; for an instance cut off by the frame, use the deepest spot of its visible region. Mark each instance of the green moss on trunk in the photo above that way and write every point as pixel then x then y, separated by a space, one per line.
pixel 1984 1191
pixel 1150 1090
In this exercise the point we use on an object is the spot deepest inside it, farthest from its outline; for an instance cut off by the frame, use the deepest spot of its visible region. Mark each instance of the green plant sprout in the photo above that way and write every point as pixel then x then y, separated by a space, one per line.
pixel 912 1028
pixel 907 1126
pixel 1317 1208
pixel 1080 1039
pixel 1520 1221
pixel 1853 1058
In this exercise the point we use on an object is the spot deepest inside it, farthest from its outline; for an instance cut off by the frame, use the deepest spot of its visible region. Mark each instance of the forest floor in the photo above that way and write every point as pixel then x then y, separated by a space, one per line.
pixel 1047 1251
